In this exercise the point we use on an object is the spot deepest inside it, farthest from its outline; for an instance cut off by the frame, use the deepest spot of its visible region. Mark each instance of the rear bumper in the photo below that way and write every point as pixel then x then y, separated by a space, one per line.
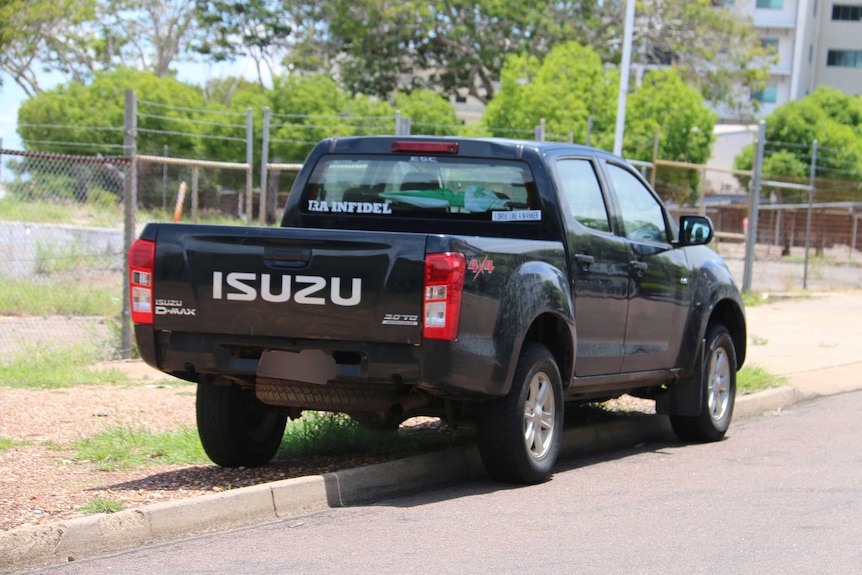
pixel 464 368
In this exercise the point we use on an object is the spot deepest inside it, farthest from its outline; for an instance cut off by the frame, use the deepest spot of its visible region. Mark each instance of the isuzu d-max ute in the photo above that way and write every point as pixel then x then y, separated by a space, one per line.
pixel 483 279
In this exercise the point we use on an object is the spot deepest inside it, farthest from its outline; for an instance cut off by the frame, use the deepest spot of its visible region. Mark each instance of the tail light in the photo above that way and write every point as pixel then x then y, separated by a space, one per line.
pixel 444 283
pixel 141 258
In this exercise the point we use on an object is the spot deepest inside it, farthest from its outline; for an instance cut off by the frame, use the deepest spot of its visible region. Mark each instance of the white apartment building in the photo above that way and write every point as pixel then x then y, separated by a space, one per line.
pixel 818 42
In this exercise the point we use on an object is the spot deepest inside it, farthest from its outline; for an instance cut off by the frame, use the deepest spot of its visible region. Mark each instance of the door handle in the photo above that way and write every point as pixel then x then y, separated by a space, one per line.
pixel 638 267
pixel 585 261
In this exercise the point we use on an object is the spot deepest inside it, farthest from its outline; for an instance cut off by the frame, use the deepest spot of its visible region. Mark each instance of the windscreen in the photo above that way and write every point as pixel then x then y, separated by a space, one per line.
pixel 423 187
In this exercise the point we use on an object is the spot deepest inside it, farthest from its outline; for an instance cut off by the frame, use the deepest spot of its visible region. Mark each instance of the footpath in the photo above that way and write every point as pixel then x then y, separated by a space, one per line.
pixel 813 340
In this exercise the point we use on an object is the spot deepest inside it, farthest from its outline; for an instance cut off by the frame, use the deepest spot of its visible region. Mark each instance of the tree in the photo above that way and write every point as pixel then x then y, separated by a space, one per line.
pixel 42 36
pixel 714 50
pixel 664 103
pixel 93 114
pixel 569 89
pixel 254 28
pixel 77 38
pixel 380 46
pixel 827 115
pixel 429 113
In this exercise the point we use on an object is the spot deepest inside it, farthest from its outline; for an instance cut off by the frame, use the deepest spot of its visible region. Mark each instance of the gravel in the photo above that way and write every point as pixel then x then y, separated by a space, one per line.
pixel 42 482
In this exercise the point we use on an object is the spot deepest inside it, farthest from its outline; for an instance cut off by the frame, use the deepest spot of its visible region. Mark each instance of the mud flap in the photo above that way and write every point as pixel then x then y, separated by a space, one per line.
pixel 685 397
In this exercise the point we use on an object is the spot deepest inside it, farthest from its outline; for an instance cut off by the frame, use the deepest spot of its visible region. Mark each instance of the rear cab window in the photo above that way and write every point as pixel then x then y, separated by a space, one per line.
pixel 422 187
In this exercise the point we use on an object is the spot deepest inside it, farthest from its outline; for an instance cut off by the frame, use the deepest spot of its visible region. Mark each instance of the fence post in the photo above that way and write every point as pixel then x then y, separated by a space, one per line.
pixel 397 122
pixel 264 158
pixel 589 129
pixel 539 131
pixel 655 143
pixel 130 203
pixel 754 206
pixel 165 179
pixel 195 197
pixel 249 183
pixel 810 207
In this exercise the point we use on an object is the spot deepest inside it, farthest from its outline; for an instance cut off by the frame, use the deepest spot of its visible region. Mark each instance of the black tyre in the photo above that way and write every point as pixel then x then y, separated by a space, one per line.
pixel 519 434
pixel 235 428
pixel 719 390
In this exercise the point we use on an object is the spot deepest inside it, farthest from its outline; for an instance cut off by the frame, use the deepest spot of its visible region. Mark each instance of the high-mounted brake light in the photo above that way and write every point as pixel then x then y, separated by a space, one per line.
pixel 444 283
pixel 420 147
pixel 141 262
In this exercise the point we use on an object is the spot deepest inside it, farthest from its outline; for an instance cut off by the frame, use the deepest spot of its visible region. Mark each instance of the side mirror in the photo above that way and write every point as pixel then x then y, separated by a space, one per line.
pixel 695 230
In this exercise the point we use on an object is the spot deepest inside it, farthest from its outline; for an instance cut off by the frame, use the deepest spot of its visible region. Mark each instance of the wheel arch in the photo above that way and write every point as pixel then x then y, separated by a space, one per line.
pixel 555 334
pixel 728 313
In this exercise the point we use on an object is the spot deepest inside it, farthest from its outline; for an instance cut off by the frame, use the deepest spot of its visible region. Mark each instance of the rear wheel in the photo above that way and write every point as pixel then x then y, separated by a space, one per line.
pixel 519 435
pixel 719 390
pixel 235 428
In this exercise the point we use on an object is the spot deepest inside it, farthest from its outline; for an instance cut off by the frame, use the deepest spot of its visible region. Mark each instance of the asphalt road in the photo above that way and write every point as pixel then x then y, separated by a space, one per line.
pixel 782 494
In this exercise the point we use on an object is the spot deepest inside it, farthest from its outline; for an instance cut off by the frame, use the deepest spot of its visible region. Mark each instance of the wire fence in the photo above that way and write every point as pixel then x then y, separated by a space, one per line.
pixel 64 222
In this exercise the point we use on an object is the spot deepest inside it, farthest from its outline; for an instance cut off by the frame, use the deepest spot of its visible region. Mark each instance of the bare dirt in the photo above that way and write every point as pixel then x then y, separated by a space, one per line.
pixel 42 481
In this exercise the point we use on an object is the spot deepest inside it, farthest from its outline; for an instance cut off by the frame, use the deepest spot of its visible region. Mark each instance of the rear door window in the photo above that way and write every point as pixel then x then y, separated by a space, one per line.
pixel 428 187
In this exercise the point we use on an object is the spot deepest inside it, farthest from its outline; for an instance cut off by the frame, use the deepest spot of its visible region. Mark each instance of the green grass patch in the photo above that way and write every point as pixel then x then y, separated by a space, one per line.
pixel 8 442
pixel 41 367
pixel 100 505
pixel 96 213
pixel 753 378
pixel 753 299
pixel 129 448
pixel 61 297
pixel 322 433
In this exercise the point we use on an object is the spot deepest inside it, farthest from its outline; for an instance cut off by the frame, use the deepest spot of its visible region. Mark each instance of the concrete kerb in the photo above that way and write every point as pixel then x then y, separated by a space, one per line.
pixel 42 545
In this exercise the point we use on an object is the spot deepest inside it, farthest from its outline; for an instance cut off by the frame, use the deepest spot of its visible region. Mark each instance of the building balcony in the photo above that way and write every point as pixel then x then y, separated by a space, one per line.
pixel 774 19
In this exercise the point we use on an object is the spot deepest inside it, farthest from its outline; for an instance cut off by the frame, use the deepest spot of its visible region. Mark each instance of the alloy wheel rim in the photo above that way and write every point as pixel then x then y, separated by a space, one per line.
pixel 718 384
pixel 539 414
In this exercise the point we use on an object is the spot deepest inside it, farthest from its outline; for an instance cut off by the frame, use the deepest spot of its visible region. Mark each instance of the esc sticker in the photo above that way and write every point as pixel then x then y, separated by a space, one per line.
pixel 518 216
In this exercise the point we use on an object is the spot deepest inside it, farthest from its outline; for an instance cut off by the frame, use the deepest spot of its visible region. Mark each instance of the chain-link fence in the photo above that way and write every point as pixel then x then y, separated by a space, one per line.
pixel 807 229
pixel 61 254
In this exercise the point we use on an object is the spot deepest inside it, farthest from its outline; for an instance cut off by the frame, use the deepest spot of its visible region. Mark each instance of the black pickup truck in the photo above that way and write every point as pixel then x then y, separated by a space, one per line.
pixel 482 279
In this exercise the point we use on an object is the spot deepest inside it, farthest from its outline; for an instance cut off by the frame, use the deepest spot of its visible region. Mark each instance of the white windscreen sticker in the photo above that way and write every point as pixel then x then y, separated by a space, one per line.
pixel 518 216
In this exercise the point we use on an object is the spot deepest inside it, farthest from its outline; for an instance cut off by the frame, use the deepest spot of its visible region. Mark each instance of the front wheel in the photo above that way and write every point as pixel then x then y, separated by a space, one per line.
pixel 519 435
pixel 235 428
pixel 718 394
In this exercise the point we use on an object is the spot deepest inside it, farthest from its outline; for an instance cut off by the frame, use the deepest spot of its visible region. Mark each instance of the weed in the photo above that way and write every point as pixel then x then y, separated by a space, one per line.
pixel 7 443
pixel 753 378
pixel 100 505
pixel 753 299
pixel 129 448
pixel 758 340
pixel 322 433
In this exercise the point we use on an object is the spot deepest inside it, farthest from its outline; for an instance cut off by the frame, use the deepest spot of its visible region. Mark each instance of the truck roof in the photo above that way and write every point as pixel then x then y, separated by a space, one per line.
pixel 485 146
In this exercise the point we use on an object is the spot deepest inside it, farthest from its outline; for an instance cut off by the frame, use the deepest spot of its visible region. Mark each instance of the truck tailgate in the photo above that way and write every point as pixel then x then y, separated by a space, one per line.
pixel 289 282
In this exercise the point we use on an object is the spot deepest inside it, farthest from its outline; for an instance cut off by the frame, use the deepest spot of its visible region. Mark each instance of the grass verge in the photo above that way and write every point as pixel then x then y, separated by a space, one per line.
pixel 62 297
pixel 100 505
pixel 51 367
pixel 322 433
pixel 753 378
pixel 129 448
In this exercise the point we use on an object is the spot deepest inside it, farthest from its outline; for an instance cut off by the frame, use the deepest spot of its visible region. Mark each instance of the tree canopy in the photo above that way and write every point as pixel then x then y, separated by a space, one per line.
pixel 573 92
pixel 827 115
pixel 376 47
pixel 78 38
